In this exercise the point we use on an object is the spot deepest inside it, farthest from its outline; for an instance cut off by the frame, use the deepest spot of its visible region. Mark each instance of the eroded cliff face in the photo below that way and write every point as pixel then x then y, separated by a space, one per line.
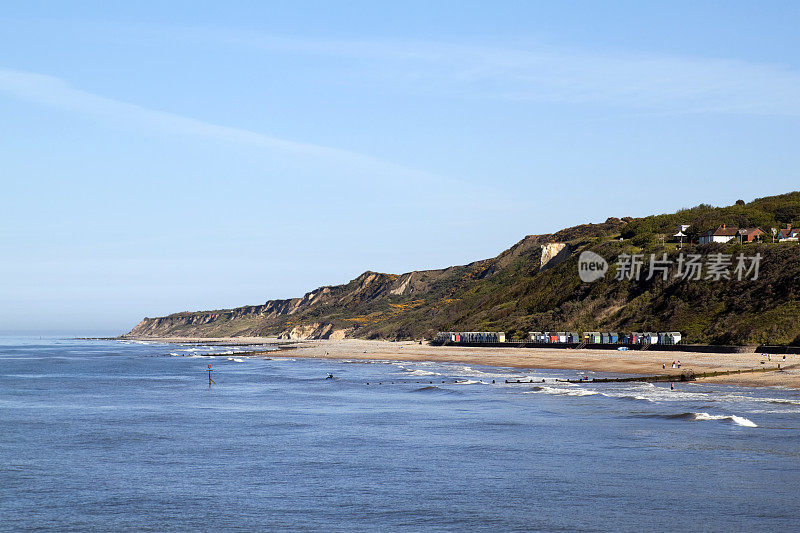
pixel 316 330
pixel 278 317
pixel 529 287
pixel 553 254
pixel 366 306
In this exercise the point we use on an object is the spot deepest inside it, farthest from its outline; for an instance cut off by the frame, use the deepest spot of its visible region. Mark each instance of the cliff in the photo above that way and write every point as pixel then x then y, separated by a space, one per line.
pixel 534 285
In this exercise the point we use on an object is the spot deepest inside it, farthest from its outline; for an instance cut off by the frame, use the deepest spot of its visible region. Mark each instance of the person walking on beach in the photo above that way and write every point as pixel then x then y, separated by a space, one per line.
pixel 663 366
pixel 673 364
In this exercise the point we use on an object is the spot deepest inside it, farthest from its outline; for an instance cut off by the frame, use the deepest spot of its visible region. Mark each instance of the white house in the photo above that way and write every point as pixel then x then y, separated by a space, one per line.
pixel 722 234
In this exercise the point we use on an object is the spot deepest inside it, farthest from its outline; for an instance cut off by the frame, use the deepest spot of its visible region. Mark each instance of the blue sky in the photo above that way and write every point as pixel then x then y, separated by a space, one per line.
pixel 166 156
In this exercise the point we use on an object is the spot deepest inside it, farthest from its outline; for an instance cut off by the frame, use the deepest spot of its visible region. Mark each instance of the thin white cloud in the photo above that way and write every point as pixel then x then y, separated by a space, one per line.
pixel 55 92
pixel 554 74
pixel 363 170
pixel 524 71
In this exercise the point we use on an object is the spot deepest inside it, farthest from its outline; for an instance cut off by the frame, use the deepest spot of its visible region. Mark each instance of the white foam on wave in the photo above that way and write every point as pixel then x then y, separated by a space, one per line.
pixel 466 382
pixel 418 372
pixel 782 400
pixel 664 394
pixel 235 360
pixel 577 391
pixel 469 371
pixel 739 420
pixel 772 411
pixel 629 396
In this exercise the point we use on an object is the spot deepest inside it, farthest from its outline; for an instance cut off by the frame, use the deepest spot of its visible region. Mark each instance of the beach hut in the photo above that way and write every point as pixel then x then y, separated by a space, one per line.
pixel 673 337
pixel 562 336
pixel 650 337
pixel 573 336
pixel 592 337
pixel 613 337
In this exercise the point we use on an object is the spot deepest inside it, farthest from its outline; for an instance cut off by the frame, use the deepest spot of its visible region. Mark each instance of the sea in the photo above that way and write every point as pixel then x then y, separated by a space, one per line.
pixel 130 436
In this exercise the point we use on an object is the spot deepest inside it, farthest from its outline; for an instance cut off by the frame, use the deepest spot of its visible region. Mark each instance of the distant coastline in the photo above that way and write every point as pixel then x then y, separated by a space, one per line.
pixel 213 341
pixel 606 361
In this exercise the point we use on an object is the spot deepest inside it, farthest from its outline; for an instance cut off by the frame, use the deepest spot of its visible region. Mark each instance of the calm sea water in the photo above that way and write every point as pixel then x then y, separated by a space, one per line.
pixel 123 436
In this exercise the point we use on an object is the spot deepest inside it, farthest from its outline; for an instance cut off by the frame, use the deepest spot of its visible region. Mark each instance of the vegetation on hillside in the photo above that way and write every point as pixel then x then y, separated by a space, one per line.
pixel 512 293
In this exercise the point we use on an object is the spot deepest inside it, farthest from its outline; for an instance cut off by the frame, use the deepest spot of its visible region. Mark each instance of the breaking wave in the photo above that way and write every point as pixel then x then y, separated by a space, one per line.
pixel 622 396
pixel 577 391
pixel 699 417
pixel 418 372
pixel 739 420
pixel 779 401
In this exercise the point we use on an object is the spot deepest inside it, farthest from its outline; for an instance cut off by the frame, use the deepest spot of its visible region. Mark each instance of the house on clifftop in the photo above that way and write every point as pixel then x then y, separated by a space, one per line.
pixel 789 234
pixel 722 234
pixel 750 234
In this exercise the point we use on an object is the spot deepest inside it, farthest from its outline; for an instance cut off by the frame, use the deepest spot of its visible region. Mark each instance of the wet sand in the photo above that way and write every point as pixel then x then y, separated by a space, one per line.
pixel 612 361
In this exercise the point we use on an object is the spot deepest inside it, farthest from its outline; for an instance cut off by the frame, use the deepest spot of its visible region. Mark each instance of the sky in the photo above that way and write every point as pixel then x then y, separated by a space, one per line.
pixel 157 157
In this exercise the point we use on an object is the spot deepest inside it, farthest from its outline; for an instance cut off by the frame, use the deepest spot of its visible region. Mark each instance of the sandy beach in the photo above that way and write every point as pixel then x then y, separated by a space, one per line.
pixel 611 361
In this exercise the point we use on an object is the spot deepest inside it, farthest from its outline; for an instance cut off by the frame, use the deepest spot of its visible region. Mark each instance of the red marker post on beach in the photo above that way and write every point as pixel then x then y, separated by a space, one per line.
pixel 210 381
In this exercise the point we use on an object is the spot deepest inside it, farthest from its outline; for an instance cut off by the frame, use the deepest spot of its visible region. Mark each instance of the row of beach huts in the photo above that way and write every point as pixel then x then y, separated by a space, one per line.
pixel 471 336
pixel 601 337
pixel 564 337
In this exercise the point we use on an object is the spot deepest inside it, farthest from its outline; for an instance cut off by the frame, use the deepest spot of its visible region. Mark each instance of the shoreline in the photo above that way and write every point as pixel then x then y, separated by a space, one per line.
pixel 212 341
pixel 645 363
